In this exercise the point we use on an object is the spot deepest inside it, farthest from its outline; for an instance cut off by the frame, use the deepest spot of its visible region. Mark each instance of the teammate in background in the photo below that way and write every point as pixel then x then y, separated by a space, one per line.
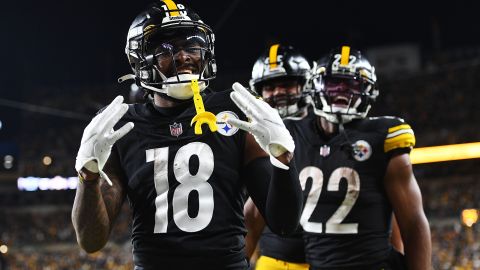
pixel 278 76
pixel 357 172
pixel 183 179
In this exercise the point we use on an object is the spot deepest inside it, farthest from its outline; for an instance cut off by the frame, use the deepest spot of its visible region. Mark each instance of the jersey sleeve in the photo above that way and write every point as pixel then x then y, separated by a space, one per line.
pixel 399 137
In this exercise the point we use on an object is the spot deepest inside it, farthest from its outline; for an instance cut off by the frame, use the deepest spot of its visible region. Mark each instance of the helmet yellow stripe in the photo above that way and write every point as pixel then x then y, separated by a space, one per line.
pixel 172 6
pixel 345 56
pixel 272 56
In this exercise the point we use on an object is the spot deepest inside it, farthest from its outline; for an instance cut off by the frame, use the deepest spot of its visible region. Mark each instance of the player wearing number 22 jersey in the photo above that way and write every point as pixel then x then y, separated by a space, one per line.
pixel 347 216
pixel 357 172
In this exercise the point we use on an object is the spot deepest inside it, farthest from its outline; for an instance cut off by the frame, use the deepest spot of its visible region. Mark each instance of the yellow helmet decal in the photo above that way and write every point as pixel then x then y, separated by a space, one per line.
pixel 272 56
pixel 345 56
pixel 172 6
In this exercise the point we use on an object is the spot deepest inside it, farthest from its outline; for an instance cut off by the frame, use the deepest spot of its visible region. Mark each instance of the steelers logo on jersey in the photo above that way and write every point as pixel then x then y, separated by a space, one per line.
pixel 224 128
pixel 362 150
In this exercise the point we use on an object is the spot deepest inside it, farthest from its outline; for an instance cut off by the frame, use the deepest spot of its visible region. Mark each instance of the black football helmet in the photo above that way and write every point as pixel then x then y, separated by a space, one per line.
pixel 161 31
pixel 344 85
pixel 281 62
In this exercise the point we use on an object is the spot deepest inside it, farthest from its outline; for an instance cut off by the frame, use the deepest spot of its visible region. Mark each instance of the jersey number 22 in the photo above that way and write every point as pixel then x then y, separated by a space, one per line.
pixel 334 224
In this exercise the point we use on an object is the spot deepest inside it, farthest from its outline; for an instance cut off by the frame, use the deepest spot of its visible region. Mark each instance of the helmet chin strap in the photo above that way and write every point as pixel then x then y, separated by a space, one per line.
pixel 348 146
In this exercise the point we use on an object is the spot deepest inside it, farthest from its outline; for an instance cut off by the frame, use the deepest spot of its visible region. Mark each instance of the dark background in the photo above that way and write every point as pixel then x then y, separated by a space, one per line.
pixel 54 50
pixel 82 42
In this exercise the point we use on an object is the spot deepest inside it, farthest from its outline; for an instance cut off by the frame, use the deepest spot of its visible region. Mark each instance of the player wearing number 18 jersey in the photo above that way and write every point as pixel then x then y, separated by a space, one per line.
pixel 184 188
pixel 356 171
pixel 184 169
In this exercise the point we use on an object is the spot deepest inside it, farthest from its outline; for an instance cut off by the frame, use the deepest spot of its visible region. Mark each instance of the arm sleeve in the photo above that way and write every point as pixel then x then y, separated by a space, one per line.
pixel 276 193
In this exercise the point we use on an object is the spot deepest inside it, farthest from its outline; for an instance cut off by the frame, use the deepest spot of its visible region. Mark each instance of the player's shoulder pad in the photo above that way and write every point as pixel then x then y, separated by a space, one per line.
pixel 398 134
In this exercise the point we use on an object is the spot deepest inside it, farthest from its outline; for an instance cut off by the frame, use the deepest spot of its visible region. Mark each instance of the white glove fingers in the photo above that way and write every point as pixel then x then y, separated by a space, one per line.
pixel 240 124
pixel 117 101
pixel 115 116
pixel 108 122
pixel 244 93
pixel 245 106
pixel 115 136
pixel 241 104
pixel 113 106
pixel 99 118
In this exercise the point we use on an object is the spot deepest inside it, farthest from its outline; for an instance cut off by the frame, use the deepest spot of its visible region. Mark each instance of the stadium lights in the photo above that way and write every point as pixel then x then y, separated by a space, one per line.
pixel 47 160
pixel 469 217
pixel 445 153
pixel 3 249
pixel 418 156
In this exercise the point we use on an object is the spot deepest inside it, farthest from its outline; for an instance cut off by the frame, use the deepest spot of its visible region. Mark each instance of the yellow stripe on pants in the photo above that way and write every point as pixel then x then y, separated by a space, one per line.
pixel 268 263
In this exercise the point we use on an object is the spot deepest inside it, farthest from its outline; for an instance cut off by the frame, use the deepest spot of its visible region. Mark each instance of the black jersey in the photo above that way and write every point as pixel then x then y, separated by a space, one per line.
pixel 286 248
pixel 347 215
pixel 184 189
pixel 289 248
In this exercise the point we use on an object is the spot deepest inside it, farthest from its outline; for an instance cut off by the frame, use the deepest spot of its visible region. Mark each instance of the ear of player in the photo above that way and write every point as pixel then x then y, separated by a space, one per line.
pixel 265 124
pixel 99 136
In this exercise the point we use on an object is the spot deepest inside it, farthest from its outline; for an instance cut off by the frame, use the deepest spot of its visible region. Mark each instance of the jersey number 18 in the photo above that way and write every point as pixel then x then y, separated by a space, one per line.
pixel 188 183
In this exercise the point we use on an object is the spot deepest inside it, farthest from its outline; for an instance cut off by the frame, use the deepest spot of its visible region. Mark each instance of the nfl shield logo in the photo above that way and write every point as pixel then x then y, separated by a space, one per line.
pixel 176 129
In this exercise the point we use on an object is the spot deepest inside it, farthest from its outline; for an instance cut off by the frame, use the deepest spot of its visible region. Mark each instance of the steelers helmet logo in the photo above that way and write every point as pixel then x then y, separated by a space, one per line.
pixel 224 128
pixel 362 150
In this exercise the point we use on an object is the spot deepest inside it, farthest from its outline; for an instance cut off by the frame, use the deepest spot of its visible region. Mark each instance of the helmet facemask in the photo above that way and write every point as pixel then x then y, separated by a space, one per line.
pixel 287 103
pixel 341 96
pixel 343 93
pixel 174 57
pixel 155 40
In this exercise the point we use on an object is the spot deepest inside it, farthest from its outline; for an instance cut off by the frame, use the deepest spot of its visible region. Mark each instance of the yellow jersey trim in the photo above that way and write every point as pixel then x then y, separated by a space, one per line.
pixel 403 126
pixel 404 140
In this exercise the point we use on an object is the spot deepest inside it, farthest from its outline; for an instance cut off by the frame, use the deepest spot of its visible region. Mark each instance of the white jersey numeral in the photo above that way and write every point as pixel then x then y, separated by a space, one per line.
pixel 334 224
pixel 188 183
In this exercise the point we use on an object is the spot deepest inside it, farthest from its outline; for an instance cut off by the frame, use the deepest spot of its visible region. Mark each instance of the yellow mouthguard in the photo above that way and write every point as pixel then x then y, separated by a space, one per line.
pixel 202 116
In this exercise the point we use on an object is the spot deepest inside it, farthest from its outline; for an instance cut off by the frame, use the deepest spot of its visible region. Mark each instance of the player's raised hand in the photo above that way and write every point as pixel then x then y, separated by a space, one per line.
pixel 266 125
pixel 99 136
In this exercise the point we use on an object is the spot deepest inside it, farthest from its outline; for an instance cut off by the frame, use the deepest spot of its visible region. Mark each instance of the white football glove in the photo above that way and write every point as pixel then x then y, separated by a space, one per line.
pixel 266 125
pixel 99 136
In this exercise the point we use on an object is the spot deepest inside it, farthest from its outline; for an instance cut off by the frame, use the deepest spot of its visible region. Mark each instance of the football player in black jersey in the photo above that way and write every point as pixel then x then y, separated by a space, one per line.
pixel 278 76
pixel 182 165
pixel 357 172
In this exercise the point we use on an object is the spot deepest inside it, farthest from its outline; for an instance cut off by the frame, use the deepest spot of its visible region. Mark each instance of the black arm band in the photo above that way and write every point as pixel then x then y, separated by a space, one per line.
pixel 276 193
